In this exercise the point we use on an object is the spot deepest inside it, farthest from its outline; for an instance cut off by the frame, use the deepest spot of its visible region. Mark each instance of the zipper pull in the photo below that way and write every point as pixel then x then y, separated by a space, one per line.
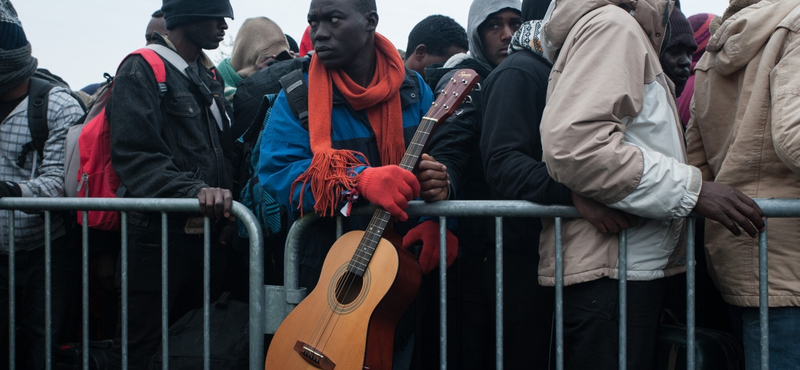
pixel 84 177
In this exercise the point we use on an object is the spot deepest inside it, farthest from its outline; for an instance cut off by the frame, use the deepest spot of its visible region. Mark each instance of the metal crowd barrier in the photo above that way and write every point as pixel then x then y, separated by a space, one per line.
pixel 293 293
pixel 164 206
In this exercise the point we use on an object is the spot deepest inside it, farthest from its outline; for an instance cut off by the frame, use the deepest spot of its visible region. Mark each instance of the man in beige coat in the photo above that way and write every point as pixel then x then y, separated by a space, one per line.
pixel 744 132
pixel 611 133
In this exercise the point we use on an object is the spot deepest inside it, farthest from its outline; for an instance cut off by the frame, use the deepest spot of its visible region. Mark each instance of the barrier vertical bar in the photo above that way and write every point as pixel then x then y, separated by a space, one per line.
pixel 164 293
pixel 123 255
pixel 85 292
pixel 12 292
pixel 498 318
pixel 691 264
pixel 559 296
pixel 48 290
pixel 257 307
pixel 763 296
pixel 623 299
pixel 206 293
pixel 443 292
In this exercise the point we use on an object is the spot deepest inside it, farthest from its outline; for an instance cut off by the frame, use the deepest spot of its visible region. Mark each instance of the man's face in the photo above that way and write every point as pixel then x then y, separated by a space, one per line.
pixel 156 25
pixel 677 62
pixel 496 32
pixel 207 33
pixel 340 33
pixel 419 59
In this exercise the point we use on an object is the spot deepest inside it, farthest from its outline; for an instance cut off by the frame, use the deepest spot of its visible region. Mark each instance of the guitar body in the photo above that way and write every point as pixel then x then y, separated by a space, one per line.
pixel 348 329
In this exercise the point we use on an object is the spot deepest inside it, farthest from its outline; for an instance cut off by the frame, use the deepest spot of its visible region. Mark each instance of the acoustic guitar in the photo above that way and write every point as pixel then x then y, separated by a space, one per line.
pixel 348 320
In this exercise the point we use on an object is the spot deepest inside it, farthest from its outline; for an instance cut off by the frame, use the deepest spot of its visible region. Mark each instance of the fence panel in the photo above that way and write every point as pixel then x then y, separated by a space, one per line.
pixel 164 206
pixel 503 209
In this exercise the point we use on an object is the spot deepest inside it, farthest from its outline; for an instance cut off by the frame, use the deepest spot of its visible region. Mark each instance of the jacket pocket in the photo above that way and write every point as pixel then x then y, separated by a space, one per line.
pixel 182 105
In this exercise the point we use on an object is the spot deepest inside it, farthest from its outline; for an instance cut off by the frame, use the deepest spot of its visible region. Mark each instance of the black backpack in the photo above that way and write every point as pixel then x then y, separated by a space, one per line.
pixel 230 339
pixel 41 83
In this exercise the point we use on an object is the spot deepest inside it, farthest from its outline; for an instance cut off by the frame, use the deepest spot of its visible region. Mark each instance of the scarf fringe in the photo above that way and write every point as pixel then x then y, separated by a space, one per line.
pixel 331 173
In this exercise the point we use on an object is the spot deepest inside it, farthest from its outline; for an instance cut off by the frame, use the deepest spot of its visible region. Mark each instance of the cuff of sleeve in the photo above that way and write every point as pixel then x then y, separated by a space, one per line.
pixel 692 193
pixel 25 190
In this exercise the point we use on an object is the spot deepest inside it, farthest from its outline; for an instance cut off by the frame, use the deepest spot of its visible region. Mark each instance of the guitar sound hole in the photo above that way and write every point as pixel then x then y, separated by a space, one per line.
pixel 348 288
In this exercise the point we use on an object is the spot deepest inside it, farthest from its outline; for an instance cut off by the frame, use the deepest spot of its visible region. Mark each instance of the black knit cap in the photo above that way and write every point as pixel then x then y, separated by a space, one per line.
pixel 12 36
pixel 680 31
pixel 180 12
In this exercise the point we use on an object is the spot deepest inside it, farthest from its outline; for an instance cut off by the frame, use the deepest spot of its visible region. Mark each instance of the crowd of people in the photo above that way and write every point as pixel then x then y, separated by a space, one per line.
pixel 626 110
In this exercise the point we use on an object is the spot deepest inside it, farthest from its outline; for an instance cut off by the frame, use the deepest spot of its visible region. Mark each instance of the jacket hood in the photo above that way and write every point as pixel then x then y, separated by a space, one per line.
pixel 478 12
pixel 741 36
pixel 652 16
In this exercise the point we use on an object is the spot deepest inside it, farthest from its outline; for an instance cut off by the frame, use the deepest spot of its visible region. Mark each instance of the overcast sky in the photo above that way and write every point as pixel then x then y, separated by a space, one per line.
pixel 81 39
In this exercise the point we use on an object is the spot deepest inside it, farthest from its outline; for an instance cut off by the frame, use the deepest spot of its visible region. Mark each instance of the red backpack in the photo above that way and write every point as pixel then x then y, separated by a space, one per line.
pixel 96 177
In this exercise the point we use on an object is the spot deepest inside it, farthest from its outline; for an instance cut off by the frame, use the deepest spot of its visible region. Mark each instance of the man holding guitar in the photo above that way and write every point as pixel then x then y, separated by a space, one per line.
pixel 364 110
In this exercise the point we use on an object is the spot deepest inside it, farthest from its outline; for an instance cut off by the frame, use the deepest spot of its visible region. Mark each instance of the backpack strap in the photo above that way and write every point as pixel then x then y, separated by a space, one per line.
pixel 158 67
pixel 296 94
pixel 38 103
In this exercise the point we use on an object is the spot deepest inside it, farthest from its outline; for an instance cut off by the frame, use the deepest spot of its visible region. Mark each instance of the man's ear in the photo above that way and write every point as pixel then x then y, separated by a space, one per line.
pixel 419 52
pixel 372 21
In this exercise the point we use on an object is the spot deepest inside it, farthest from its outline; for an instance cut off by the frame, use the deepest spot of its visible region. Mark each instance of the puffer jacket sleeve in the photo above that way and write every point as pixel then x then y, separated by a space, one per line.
pixel 593 93
pixel 285 155
pixel 785 112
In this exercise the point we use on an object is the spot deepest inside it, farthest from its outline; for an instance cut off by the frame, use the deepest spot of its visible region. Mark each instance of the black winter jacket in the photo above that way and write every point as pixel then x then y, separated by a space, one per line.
pixel 168 147
pixel 514 100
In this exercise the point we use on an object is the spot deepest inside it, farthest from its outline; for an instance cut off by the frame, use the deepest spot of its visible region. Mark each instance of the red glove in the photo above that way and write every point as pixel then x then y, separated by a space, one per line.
pixel 390 187
pixel 428 233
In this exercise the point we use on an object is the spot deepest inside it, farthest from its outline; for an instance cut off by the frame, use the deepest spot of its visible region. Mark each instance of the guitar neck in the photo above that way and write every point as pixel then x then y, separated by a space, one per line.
pixel 380 219
pixel 452 95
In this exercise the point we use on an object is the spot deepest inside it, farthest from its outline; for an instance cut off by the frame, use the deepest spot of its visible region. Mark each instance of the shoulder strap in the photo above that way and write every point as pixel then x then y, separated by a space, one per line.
pixel 176 60
pixel 296 95
pixel 38 102
pixel 157 64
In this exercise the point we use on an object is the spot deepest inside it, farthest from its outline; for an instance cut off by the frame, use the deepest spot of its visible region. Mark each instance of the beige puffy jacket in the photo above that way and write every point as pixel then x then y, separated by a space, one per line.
pixel 745 132
pixel 611 132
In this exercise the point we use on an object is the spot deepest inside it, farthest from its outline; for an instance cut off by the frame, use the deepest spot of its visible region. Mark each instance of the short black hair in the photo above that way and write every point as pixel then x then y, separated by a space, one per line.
pixel 365 6
pixel 438 33
pixel 158 14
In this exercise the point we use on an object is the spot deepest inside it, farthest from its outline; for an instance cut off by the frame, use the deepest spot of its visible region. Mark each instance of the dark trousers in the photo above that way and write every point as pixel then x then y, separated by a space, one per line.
pixel 591 324
pixel 30 304
pixel 185 289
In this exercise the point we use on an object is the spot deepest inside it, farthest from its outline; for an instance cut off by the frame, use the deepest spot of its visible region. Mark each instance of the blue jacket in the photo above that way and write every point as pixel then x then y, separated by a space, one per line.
pixel 286 150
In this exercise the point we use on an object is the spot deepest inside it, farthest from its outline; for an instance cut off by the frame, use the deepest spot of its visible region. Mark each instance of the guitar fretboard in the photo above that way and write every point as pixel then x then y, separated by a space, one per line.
pixel 451 96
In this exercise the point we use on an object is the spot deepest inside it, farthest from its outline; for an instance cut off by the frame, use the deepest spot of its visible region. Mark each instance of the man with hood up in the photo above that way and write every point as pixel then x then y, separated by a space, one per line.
pixel 747 137
pixel 611 133
pixel 454 147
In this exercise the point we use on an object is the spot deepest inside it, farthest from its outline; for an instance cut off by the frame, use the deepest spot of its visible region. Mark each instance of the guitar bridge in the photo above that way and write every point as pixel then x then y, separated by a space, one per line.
pixel 313 356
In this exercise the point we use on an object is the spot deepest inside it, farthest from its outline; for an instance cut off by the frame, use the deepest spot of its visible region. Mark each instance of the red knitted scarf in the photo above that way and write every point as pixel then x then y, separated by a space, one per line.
pixel 332 171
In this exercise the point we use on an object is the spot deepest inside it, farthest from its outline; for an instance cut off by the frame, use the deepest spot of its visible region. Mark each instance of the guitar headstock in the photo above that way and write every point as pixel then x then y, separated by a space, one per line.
pixel 453 94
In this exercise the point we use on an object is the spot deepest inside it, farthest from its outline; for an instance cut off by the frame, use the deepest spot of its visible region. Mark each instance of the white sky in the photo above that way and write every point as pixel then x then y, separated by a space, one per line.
pixel 81 39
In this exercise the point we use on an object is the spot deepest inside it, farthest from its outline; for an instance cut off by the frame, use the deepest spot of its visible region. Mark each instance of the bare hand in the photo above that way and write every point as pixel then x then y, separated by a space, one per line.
pixel 434 181
pixel 215 202
pixel 730 207
pixel 263 61
pixel 605 219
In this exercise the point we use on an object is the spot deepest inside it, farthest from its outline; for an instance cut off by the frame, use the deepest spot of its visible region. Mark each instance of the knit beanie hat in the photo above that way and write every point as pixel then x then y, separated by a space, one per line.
pixel 12 36
pixel 16 62
pixel 702 32
pixel 180 12
pixel 680 31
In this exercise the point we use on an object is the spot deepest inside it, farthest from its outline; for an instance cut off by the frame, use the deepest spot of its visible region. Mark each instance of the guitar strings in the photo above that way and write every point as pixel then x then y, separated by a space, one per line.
pixel 321 327
pixel 412 155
